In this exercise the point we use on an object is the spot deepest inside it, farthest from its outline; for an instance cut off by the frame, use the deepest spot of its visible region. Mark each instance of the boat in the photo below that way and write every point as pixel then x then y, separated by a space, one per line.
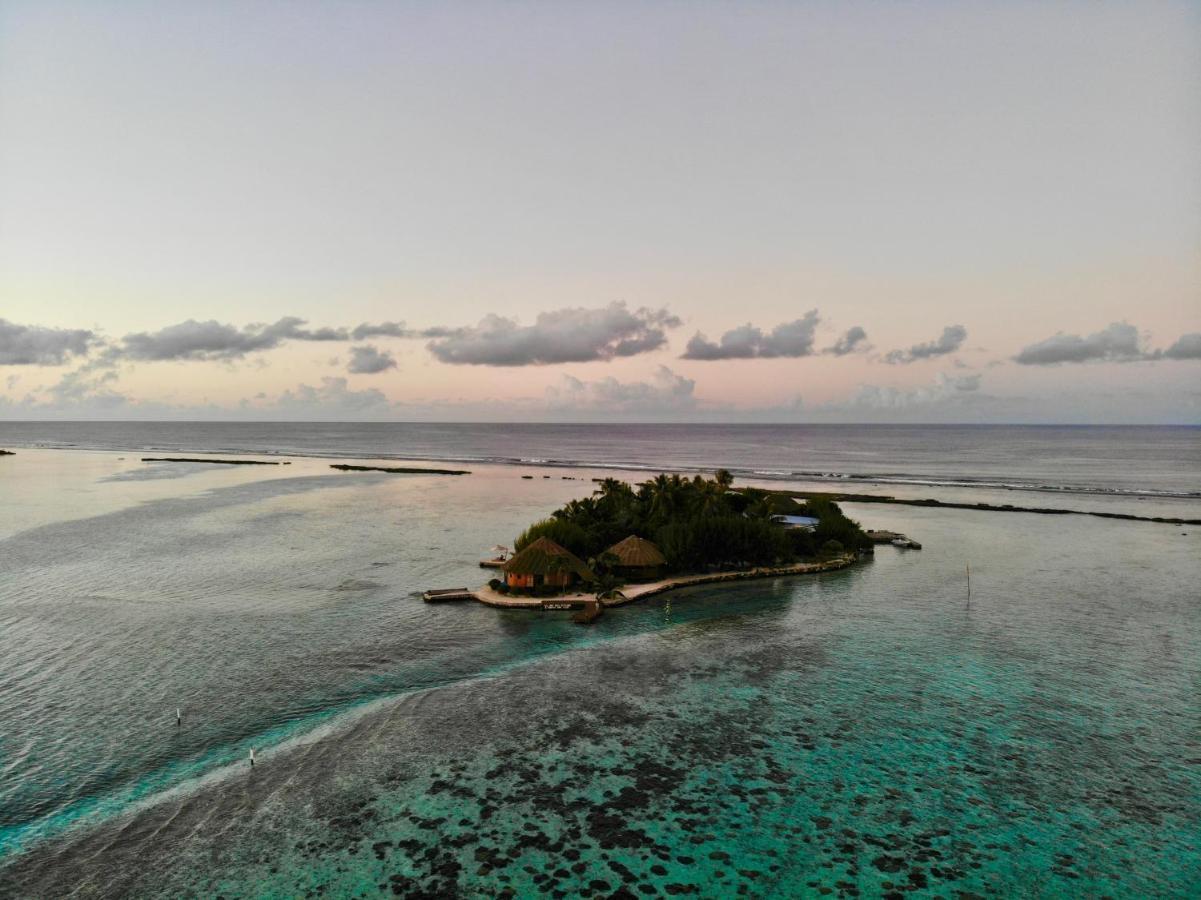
pixel 500 556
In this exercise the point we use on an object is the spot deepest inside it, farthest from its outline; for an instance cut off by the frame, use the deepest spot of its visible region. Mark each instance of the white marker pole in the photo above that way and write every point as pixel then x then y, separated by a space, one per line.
pixel 252 757
pixel 178 717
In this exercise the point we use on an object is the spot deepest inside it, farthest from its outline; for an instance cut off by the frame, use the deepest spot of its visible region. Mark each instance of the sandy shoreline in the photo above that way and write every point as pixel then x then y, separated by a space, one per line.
pixel 635 592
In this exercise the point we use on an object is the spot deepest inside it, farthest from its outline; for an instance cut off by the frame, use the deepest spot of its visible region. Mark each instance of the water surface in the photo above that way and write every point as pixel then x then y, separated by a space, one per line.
pixel 866 731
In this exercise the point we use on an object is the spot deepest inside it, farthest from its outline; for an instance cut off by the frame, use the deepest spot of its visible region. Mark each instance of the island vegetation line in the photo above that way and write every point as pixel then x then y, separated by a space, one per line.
pixel 626 542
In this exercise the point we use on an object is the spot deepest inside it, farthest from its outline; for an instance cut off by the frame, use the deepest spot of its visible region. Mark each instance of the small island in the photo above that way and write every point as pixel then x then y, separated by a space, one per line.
pixel 627 542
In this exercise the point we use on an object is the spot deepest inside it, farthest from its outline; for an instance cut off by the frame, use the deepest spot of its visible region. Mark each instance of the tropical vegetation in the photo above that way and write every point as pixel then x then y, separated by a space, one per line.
pixel 698 523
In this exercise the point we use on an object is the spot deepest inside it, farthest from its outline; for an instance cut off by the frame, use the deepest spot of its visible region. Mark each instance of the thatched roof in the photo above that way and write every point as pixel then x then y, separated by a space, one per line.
pixel 545 557
pixel 637 552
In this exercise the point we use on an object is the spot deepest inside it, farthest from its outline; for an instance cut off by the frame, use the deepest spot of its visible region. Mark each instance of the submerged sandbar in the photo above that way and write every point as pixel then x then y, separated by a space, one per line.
pixel 835 496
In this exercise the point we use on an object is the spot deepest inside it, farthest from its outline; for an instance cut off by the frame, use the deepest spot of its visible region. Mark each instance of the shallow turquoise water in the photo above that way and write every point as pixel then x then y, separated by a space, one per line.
pixel 861 733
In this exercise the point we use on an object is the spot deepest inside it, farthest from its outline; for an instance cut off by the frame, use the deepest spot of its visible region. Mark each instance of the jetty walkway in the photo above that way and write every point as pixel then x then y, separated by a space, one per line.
pixel 634 592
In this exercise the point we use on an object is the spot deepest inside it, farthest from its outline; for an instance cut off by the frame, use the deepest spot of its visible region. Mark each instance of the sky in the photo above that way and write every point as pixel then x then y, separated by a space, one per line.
pixel 777 212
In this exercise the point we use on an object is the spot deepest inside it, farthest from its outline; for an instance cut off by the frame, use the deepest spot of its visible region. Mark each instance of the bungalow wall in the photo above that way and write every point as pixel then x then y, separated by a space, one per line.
pixel 552 579
pixel 640 573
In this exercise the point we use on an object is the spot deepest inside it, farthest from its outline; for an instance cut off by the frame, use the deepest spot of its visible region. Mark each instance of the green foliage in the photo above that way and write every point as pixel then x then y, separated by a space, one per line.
pixel 833 525
pixel 563 532
pixel 832 548
pixel 698 523
pixel 802 543
pixel 604 564
pixel 495 583
pixel 723 542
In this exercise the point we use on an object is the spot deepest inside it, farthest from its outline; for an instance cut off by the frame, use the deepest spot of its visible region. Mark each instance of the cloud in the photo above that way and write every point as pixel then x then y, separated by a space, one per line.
pixel 87 386
pixel 949 341
pixel 85 392
pixel 212 340
pixel 849 342
pixel 31 345
pixel 383 329
pixel 946 389
pixel 560 336
pixel 1117 343
pixel 667 392
pixel 1187 347
pixel 789 339
pixel 369 360
pixel 333 395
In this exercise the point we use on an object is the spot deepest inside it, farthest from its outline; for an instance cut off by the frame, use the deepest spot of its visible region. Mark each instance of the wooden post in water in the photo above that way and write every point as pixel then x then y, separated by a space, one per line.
pixel 968 567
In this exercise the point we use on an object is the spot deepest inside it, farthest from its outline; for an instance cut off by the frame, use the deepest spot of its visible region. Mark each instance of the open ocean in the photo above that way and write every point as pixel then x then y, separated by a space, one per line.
pixel 868 732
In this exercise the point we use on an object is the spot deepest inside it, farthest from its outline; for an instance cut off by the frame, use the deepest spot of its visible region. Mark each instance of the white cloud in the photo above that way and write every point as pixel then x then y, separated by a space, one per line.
pixel 949 341
pixel 369 360
pixel 789 339
pixel 946 390
pixel 1119 342
pixel 854 339
pixel 1187 347
pixel 383 329
pixel 212 340
pixel 561 336
pixel 665 393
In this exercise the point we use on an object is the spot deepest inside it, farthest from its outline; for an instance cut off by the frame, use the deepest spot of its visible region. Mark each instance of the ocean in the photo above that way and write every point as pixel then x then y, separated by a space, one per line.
pixel 868 732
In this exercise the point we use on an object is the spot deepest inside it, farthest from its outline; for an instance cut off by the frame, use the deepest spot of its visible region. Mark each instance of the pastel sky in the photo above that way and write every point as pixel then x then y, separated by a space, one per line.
pixel 942 212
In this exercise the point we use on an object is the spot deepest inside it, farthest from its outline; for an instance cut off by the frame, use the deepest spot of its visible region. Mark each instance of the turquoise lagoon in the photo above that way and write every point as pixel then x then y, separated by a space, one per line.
pixel 871 732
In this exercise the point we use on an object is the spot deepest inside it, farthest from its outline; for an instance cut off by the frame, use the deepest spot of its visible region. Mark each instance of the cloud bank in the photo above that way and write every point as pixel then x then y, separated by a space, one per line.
pixel 1187 347
pixel 32 345
pixel 332 396
pixel 561 336
pixel 1119 342
pixel 946 390
pixel 789 339
pixel 667 392
pixel 212 340
pixel 383 329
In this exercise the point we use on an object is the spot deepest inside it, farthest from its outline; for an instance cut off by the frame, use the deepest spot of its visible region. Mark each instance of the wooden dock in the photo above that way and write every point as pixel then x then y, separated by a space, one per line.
pixel 593 610
pixel 447 595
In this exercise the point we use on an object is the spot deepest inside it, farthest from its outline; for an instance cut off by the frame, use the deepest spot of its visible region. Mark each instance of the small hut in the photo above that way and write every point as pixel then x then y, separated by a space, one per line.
pixel 638 559
pixel 543 563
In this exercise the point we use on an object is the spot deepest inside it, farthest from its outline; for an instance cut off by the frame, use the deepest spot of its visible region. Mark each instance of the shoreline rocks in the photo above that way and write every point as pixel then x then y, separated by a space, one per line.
pixel 398 470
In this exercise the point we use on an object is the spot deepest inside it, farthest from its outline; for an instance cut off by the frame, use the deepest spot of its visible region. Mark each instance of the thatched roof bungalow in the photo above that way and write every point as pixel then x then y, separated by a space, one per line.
pixel 638 559
pixel 545 563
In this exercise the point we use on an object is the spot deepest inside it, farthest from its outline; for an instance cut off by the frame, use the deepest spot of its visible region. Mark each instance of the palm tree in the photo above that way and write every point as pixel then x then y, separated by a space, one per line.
pixel 664 491
pixel 710 499
pixel 761 506
pixel 608 487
